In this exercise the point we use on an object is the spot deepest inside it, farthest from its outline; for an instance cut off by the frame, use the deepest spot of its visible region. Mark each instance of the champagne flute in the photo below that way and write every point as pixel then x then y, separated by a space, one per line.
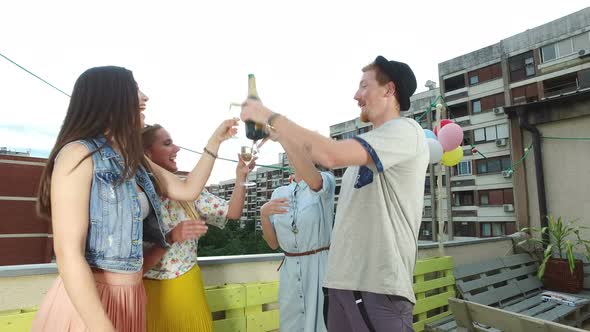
pixel 247 155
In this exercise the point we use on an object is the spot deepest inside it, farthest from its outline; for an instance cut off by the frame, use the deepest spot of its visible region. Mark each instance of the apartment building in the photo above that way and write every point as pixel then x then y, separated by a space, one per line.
pixel 542 62
pixel 267 179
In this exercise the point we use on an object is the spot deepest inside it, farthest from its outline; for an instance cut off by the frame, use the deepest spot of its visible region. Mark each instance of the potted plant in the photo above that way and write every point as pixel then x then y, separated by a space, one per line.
pixel 559 269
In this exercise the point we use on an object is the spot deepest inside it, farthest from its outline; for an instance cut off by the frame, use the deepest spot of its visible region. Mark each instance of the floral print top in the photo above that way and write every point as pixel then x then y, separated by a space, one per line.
pixel 181 257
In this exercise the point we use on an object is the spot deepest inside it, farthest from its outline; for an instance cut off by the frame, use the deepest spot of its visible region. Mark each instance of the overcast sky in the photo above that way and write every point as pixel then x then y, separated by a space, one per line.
pixel 192 58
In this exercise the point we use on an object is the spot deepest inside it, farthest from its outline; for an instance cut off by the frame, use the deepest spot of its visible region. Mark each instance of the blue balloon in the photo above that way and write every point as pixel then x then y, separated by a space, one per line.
pixel 430 134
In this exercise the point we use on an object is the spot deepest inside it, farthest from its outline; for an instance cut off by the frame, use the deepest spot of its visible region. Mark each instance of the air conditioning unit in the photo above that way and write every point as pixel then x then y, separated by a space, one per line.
pixel 498 110
pixel 583 52
pixel 500 142
pixel 508 208
pixel 507 174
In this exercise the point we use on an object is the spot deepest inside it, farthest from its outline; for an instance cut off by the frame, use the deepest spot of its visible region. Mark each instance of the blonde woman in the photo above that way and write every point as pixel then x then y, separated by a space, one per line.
pixel 176 296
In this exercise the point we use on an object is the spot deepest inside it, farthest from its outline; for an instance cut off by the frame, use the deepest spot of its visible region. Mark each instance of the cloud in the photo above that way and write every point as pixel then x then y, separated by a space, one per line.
pixel 38 140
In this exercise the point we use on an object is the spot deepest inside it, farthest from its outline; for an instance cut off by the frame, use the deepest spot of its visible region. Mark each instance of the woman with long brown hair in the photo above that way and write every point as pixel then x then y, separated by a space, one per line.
pixel 103 204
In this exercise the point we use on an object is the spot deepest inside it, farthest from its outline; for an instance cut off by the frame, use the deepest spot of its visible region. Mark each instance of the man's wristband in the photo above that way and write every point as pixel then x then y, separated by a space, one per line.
pixel 271 119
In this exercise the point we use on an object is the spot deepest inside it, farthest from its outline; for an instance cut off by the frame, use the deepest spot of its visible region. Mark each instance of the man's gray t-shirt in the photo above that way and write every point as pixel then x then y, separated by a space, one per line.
pixel 375 236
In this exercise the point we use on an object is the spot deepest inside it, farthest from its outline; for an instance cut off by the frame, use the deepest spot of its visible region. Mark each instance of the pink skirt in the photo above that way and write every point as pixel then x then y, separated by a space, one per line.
pixel 123 298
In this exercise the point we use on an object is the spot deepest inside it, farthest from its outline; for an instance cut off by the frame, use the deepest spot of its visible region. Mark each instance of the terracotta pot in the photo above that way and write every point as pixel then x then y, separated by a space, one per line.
pixel 559 278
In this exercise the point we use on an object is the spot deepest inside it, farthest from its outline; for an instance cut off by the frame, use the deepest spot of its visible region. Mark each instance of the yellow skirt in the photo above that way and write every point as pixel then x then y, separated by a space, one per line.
pixel 178 304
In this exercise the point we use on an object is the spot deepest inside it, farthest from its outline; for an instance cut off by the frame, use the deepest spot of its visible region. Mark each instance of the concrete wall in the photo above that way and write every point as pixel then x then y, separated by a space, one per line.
pixel 567 171
pixel 19 290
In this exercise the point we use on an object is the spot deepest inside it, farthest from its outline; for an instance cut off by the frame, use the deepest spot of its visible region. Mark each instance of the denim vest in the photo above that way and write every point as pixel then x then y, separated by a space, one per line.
pixel 116 230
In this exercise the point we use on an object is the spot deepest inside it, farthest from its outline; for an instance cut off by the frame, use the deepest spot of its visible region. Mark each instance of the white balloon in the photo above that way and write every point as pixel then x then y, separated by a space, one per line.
pixel 436 150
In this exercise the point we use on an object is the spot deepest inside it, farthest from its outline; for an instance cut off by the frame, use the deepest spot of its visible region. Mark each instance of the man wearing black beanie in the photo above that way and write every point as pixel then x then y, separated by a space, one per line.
pixel 373 253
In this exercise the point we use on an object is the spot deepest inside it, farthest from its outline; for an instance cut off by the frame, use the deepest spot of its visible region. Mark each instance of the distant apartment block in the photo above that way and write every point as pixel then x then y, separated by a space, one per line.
pixel 267 179
pixel 540 63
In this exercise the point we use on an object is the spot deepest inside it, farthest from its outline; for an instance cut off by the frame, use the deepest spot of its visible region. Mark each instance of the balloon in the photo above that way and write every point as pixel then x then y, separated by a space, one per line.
pixel 429 134
pixel 443 123
pixel 450 136
pixel 436 150
pixel 453 157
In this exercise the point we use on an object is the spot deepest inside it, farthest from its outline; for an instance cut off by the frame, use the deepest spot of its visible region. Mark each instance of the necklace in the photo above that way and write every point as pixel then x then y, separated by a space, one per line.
pixel 294 228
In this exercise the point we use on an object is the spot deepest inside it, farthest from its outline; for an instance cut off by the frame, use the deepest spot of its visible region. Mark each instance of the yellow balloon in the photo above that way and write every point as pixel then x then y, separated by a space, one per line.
pixel 453 157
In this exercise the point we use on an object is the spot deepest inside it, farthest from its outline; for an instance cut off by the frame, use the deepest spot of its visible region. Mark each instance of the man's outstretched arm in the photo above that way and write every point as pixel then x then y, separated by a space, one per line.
pixel 324 151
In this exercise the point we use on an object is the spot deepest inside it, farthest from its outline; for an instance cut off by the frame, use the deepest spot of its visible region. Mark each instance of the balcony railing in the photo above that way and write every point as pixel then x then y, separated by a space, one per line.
pixel 242 291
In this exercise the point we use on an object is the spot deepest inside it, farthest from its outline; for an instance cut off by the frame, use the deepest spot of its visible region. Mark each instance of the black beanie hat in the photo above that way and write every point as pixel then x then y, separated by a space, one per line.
pixel 402 76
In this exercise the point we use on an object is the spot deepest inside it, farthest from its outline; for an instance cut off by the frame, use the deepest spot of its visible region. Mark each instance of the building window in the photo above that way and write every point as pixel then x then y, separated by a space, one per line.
pixel 521 66
pixel 487 103
pixel 493 229
pixel 365 129
pixel 476 106
pixel 492 165
pixel 563 48
pixel 549 53
pixel 454 83
pixel 498 229
pixel 485 74
pixel 467 137
pixel 502 130
pixel 479 135
pixel 348 135
pixel 561 85
pixel 486 229
pixel 490 102
pixel 491 133
pixel 425 233
pixel 463 198
pixel 484 198
pixel 339 172
pixel 463 168
pixel 458 111
pixel 582 42
pixel 496 197
pixel 529 66
pixel 464 229
pixel 525 94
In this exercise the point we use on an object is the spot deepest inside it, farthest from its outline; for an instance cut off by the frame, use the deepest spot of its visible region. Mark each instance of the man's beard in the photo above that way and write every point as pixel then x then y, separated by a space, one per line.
pixel 364 115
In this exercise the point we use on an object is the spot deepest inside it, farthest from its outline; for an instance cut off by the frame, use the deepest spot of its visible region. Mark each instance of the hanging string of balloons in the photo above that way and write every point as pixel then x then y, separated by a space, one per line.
pixel 445 141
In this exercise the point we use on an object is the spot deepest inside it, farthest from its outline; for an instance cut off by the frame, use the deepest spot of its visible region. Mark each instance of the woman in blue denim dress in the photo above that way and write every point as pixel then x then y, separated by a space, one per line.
pixel 298 219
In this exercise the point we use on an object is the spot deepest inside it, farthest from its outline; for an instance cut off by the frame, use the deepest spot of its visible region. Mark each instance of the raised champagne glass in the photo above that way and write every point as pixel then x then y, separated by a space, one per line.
pixel 247 155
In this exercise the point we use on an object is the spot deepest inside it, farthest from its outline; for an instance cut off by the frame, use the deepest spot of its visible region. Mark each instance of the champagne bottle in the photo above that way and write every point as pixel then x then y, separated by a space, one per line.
pixel 254 131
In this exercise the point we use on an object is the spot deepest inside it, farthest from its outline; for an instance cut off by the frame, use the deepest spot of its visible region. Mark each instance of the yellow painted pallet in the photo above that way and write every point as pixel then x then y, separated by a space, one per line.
pixel 253 307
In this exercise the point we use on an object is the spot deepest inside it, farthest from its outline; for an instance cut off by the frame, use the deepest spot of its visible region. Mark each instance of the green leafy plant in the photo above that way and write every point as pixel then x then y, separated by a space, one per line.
pixel 560 239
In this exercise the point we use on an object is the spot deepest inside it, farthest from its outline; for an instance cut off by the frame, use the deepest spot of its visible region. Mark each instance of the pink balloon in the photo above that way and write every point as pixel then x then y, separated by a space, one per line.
pixel 443 123
pixel 450 136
